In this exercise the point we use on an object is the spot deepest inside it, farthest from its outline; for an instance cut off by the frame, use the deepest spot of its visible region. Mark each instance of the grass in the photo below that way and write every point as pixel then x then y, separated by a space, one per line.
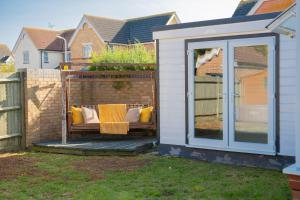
pixel 55 177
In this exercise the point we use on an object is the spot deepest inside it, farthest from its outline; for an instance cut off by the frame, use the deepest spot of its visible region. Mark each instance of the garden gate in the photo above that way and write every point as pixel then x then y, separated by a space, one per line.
pixel 11 111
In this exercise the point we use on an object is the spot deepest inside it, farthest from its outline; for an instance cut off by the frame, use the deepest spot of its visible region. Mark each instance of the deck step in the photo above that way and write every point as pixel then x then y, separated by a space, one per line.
pixel 97 148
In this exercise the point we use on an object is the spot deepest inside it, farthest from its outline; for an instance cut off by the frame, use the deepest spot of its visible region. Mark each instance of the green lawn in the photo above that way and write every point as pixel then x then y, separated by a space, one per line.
pixel 52 176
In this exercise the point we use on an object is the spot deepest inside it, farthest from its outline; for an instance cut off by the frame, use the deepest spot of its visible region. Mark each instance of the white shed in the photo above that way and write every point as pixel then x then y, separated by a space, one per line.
pixel 227 91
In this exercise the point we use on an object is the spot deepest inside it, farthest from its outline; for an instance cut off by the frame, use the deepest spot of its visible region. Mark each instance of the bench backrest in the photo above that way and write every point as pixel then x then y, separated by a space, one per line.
pixel 128 107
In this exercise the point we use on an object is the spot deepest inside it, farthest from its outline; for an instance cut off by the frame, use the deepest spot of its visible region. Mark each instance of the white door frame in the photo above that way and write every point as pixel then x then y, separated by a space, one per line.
pixel 201 142
pixel 268 148
pixel 227 144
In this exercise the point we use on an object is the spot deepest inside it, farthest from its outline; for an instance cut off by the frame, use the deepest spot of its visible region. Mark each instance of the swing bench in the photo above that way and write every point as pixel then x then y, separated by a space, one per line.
pixel 95 127
pixel 69 76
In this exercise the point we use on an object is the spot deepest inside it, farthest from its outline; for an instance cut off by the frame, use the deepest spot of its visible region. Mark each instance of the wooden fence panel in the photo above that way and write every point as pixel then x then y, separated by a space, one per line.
pixel 208 96
pixel 11 111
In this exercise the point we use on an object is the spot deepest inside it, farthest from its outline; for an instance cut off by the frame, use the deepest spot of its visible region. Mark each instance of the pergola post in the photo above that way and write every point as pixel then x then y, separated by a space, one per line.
pixel 63 109
pixel 294 170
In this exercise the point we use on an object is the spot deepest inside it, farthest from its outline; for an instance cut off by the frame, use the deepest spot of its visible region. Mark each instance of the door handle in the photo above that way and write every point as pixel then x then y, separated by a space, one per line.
pixel 233 96
pixel 189 94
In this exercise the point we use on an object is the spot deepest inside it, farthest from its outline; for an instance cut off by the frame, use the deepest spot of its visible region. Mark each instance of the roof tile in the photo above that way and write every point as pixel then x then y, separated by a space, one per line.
pixel 130 30
pixel 46 38
pixel 274 6
pixel 107 28
pixel 244 7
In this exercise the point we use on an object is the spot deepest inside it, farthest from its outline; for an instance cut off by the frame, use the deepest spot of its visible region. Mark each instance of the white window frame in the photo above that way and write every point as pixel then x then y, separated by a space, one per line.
pixel 90 50
pixel 268 148
pixel 228 143
pixel 69 56
pixel 46 57
pixel 203 142
pixel 26 57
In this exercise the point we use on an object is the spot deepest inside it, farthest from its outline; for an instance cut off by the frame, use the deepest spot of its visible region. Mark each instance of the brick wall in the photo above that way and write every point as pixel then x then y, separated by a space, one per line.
pixel 88 93
pixel 42 105
pixel 85 35
pixel 42 94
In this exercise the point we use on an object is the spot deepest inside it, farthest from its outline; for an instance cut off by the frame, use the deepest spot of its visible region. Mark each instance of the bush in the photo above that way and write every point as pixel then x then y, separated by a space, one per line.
pixel 136 54
pixel 10 67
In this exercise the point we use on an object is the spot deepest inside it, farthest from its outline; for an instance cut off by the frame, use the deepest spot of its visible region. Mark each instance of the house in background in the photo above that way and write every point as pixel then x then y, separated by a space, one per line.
pixel 95 33
pixel 255 7
pixel 40 48
pixel 5 55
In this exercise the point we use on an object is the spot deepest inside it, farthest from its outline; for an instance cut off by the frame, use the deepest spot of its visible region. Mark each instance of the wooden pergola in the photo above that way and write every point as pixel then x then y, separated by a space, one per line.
pixel 72 72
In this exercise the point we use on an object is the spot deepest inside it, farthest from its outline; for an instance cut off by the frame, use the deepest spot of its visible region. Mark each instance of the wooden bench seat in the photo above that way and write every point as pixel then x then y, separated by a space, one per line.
pixel 95 127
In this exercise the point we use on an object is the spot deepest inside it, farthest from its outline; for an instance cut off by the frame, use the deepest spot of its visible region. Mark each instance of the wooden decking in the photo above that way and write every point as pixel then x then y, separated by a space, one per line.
pixel 97 147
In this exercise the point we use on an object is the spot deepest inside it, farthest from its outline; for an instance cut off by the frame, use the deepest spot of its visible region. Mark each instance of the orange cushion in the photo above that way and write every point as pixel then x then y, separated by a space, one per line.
pixel 146 114
pixel 77 115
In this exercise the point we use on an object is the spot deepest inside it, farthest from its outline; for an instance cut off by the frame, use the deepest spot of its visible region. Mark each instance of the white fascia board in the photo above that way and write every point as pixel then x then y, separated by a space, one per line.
pixel 83 21
pixel 215 30
pixel 20 39
pixel 255 7
pixel 17 42
pixel 172 17
pixel 52 51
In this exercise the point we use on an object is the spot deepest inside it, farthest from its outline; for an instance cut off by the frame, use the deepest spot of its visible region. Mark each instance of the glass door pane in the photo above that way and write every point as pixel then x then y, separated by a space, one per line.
pixel 251 94
pixel 252 99
pixel 208 93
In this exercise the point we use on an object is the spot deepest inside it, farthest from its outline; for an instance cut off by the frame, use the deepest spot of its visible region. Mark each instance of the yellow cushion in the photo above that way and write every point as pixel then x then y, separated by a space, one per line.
pixel 77 116
pixel 146 114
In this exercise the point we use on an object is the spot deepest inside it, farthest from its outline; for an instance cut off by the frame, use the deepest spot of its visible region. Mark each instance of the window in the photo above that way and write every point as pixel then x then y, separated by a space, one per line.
pixel 69 57
pixel 25 57
pixel 87 50
pixel 46 58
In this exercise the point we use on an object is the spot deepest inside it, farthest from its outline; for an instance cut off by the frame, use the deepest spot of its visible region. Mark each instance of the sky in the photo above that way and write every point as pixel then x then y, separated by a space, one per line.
pixel 65 14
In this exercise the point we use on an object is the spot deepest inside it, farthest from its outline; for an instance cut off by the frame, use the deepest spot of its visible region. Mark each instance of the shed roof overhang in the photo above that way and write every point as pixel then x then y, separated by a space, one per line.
pixel 215 28
pixel 285 23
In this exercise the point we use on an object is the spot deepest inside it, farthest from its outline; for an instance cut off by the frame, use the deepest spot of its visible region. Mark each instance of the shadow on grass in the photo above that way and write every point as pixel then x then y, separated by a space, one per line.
pixel 141 177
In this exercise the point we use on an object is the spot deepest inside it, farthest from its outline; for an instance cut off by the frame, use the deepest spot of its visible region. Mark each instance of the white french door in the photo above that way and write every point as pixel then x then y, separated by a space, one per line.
pixel 231 95
pixel 252 93
pixel 207 96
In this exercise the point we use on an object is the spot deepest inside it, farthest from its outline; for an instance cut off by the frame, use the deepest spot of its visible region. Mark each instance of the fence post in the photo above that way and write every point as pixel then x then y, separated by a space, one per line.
pixel 23 86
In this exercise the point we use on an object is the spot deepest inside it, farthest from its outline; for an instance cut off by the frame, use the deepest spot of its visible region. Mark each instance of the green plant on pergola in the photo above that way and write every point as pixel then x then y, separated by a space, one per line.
pixel 132 55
